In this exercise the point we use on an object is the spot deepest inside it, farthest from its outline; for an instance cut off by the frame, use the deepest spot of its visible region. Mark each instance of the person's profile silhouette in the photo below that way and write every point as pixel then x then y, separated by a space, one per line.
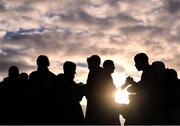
pixel 144 93
pixel 93 89
pixel 71 111
pixel 111 109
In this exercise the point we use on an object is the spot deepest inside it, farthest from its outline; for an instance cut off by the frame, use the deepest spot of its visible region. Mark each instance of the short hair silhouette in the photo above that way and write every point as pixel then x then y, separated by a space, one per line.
pixel 69 67
pixel 159 64
pixel 141 61
pixel 172 74
pixel 94 60
pixel 23 76
pixel 142 57
pixel 159 67
pixel 108 65
pixel 13 71
pixel 42 61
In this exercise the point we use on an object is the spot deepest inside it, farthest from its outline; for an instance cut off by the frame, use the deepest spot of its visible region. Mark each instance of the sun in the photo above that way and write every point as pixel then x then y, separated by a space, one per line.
pixel 121 95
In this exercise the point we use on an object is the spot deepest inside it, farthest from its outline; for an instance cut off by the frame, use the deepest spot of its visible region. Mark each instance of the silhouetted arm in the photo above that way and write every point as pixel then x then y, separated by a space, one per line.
pixel 77 91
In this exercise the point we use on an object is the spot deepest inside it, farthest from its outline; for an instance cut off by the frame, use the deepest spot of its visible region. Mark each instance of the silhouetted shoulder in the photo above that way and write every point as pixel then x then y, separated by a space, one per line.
pixel 33 73
pixel 60 75
pixel 4 84
pixel 52 74
pixel 36 73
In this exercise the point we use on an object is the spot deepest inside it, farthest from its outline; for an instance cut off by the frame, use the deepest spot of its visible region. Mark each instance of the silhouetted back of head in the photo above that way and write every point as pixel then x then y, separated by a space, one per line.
pixel 23 76
pixel 158 64
pixel 42 62
pixel 93 62
pixel 141 61
pixel 69 69
pixel 108 66
pixel 171 74
pixel 13 72
pixel 158 67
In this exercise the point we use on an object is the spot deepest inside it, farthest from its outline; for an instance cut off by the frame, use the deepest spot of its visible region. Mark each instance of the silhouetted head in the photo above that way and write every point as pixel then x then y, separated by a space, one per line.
pixel 93 62
pixel 13 72
pixel 158 67
pixel 141 61
pixel 171 74
pixel 23 76
pixel 69 69
pixel 108 66
pixel 42 62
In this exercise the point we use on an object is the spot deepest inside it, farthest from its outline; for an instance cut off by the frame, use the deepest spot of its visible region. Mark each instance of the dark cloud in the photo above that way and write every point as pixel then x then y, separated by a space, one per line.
pixel 126 18
pixel 82 64
pixel 113 2
pixel 66 42
pixel 19 33
pixel 78 16
pixel 142 28
pixel 173 6
pixel 23 8
pixel 2 7
pixel 23 66
pixel 11 59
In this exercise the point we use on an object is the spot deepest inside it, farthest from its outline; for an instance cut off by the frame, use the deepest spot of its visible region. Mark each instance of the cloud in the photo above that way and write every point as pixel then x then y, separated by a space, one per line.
pixel 21 32
pixel 2 7
pixel 173 6
pixel 82 64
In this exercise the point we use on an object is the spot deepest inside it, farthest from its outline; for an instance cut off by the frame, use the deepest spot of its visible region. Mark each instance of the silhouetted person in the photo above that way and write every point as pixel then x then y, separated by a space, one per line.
pixel 9 96
pixel 159 111
pixel 111 112
pixel 70 111
pixel 172 95
pixel 23 82
pixel 43 82
pixel 25 98
pixel 141 103
pixel 93 91
pixel 23 76
pixel 11 80
pixel 158 68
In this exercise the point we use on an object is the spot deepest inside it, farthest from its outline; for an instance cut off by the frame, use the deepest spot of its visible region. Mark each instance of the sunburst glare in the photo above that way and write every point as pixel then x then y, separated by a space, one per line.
pixel 121 95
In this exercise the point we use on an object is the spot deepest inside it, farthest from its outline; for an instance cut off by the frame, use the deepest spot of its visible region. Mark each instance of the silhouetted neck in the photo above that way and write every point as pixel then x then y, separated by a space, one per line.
pixel 42 69
pixel 11 78
pixel 68 77
pixel 95 69
pixel 108 72
pixel 147 67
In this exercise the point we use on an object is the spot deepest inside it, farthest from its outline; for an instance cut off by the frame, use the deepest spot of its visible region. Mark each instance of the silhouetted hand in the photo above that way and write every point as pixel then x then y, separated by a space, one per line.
pixel 129 81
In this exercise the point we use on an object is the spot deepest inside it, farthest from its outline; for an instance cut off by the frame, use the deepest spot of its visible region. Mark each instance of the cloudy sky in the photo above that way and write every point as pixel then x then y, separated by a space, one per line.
pixel 75 29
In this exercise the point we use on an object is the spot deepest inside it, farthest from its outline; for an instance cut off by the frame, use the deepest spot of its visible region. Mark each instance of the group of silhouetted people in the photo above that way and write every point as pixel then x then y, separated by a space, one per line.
pixel 45 98
pixel 157 94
